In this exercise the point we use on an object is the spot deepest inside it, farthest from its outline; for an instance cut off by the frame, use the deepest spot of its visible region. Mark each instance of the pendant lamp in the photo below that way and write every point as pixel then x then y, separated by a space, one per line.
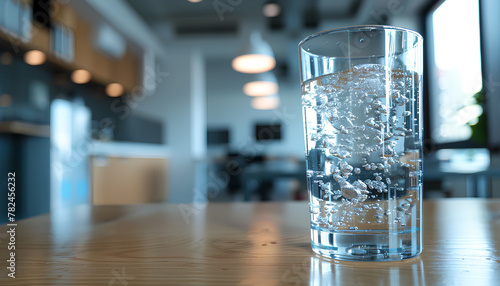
pixel 255 57
pixel 262 84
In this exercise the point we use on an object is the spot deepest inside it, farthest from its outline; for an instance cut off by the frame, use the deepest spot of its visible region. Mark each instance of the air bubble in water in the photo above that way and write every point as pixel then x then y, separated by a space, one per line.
pixel 345 169
pixel 361 130
pixel 359 185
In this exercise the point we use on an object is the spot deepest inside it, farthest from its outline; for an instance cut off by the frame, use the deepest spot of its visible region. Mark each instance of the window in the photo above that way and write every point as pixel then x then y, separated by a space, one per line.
pixel 454 70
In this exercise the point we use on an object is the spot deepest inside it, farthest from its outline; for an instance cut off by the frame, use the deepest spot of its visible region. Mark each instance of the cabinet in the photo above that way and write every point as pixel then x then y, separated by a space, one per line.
pixel 127 180
pixel 104 69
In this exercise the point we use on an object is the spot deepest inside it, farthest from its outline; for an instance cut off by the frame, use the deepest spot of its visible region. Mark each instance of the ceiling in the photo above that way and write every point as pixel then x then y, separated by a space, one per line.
pixel 225 13
pixel 154 10
pixel 324 10
pixel 225 21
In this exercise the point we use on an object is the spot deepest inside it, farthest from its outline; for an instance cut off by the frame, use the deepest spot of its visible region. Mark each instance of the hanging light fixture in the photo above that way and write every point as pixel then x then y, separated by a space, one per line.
pixel 114 89
pixel 256 56
pixel 81 76
pixel 263 84
pixel 265 102
pixel 35 57
pixel 271 9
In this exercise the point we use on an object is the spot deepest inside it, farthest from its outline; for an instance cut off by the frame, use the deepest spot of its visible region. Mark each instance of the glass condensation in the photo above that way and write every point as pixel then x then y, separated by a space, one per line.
pixel 363 137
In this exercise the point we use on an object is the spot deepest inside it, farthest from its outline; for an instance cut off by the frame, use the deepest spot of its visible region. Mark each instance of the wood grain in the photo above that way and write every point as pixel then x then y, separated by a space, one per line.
pixel 241 244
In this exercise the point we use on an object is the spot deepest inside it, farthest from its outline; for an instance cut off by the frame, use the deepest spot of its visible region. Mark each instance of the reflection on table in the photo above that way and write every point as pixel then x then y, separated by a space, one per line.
pixel 461 173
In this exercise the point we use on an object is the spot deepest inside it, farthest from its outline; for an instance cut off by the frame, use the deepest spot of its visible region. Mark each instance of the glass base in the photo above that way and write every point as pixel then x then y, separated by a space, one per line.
pixel 373 245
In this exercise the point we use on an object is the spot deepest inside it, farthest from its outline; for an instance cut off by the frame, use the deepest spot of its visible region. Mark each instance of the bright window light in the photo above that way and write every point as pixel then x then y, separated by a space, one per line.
pixel 60 122
pixel 456 69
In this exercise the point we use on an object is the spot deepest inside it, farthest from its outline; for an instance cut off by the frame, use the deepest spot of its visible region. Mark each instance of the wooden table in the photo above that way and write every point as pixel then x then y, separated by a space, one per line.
pixel 240 244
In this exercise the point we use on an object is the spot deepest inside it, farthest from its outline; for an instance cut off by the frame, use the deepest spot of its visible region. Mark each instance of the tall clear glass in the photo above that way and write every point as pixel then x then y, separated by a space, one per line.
pixel 363 138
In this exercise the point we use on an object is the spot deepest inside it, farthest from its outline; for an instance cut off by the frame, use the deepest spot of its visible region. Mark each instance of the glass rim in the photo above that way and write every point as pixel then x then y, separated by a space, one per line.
pixel 359 27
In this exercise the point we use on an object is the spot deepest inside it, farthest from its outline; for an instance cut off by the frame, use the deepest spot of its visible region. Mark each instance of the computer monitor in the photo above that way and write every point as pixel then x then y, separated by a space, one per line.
pixel 265 132
pixel 217 136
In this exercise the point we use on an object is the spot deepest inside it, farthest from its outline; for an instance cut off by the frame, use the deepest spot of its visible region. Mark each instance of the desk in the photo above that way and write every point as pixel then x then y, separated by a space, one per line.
pixel 478 182
pixel 241 244
pixel 476 168
pixel 267 172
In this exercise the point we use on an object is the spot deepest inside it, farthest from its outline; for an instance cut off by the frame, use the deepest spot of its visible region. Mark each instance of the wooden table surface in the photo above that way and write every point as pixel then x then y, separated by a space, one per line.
pixel 240 244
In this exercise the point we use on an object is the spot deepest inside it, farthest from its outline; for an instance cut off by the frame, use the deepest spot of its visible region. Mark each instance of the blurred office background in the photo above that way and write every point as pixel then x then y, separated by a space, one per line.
pixel 138 101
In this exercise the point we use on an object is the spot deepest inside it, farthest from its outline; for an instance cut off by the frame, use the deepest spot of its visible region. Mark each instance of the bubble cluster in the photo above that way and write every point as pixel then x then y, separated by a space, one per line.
pixel 362 151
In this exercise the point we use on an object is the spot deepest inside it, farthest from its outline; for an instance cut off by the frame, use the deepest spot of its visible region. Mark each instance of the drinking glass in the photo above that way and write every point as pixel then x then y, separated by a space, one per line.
pixel 363 138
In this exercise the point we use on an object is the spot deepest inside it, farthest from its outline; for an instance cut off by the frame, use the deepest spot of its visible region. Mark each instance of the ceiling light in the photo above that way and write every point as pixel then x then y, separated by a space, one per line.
pixel 265 102
pixel 253 63
pixel 81 76
pixel 256 56
pixel 35 57
pixel 195 1
pixel 114 89
pixel 262 85
pixel 271 9
pixel 260 88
